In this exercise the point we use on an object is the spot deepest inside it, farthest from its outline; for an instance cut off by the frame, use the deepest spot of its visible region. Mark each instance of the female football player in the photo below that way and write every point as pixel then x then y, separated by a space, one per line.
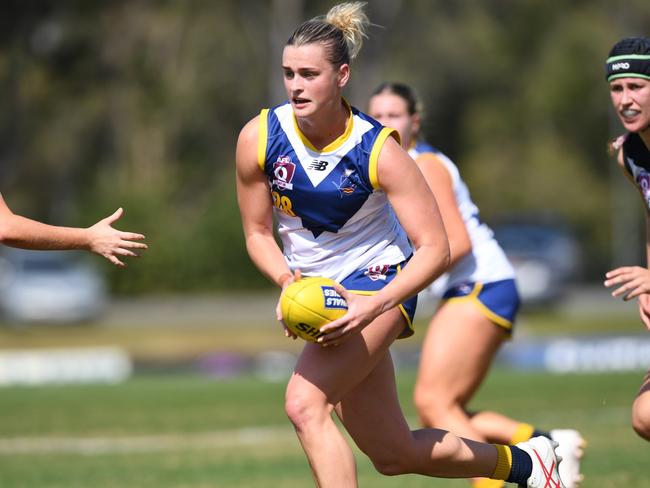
pixel 479 301
pixel 628 74
pixel 349 202
pixel 101 238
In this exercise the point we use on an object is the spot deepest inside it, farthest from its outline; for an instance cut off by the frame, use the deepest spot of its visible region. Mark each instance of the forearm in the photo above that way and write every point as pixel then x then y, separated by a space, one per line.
pixel 266 255
pixel 458 249
pixel 18 231
pixel 425 266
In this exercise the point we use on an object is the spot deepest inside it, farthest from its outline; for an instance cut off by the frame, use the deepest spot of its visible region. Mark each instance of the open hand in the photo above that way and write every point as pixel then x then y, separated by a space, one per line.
pixel 631 281
pixel 111 243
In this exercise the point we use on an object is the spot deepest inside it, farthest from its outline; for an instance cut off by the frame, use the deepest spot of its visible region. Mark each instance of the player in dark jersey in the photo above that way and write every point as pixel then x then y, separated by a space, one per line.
pixel 101 238
pixel 628 74
pixel 283 156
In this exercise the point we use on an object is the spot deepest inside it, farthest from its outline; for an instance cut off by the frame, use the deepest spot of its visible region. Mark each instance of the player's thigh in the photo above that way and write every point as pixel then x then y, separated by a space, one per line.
pixel 372 415
pixel 330 372
pixel 458 350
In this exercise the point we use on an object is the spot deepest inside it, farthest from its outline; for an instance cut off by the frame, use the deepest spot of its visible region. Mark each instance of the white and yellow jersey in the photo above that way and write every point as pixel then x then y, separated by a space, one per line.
pixel 486 262
pixel 333 219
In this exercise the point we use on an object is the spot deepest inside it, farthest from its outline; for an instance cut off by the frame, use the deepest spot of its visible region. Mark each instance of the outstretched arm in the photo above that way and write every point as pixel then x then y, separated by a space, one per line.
pixel 101 238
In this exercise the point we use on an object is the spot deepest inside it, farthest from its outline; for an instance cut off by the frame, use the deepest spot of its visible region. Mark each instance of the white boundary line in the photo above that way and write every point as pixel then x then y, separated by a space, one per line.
pixel 145 443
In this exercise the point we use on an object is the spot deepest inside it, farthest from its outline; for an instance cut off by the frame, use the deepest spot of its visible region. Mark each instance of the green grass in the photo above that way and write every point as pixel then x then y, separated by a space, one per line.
pixel 191 431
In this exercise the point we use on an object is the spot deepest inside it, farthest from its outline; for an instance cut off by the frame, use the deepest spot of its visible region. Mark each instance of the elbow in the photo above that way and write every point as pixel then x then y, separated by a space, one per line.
pixel 447 259
pixel 445 256
pixel 458 250
pixel 5 235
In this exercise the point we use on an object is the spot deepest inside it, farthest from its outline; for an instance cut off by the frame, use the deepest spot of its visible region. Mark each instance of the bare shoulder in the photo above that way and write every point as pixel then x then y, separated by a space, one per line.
pixel 250 130
pixel 247 147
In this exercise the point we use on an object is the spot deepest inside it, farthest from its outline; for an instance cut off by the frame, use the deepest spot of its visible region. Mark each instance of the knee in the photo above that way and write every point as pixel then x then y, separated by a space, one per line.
pixel 303 409
pixel 432 405
pixel 390 463
pixel 641 417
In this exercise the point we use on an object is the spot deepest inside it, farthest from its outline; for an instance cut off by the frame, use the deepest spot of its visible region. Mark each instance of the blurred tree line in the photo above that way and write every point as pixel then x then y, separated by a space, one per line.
pixel 139 104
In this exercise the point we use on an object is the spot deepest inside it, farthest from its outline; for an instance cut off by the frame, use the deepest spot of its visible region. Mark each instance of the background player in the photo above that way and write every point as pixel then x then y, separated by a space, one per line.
pixel 628 74
pixel 348 202
pixel 479 306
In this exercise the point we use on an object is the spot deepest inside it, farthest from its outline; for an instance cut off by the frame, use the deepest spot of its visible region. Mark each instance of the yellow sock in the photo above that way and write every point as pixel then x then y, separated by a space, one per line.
pixel 487 483
pixel 523 433
pixel 504 463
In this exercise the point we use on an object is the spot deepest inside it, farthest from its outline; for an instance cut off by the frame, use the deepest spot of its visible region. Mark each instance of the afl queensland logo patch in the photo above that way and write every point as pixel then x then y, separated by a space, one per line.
pixel 283 171
pixel 333 299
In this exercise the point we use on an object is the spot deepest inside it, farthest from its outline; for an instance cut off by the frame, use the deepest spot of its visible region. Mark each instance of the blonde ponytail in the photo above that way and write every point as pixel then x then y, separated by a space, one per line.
pixel 341 31
pixel 352 21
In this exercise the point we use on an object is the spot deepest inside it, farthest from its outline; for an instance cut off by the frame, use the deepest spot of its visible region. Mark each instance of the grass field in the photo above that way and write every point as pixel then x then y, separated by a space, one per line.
pixel 190 430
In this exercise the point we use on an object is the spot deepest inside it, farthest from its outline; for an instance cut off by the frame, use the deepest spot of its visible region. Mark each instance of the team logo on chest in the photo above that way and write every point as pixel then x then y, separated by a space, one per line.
pixel 347 182
pixel 283 171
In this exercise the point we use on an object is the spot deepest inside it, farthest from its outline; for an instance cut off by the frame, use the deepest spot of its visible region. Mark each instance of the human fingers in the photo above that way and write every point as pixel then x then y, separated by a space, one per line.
pixel 645 317
pixel 114 216
pixel 113 259
pixel 637 288
pixel 622 274
pixel 131 236
pixel 133 245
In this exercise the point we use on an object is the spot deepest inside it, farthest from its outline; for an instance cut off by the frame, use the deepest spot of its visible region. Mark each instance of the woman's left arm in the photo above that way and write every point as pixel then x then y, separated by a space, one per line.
pixel 417 211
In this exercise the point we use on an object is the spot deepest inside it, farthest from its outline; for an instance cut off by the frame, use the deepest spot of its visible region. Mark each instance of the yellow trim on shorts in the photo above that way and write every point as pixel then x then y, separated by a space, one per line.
pixel 334 145
pixel 374 154
pixel 400 306
pixel 473 297
pixel 262 137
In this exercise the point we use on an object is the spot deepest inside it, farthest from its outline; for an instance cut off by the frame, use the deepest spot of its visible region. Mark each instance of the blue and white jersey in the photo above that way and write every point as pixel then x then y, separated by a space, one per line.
pixel 486 262
pixel 333 219
pixel 636 157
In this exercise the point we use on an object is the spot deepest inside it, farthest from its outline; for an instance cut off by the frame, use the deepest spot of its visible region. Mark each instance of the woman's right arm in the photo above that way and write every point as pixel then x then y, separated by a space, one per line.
pixel 633 281
pixel 255 206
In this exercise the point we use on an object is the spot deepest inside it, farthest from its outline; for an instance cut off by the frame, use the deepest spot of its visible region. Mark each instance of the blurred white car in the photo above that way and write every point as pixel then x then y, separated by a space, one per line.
pixel 49 286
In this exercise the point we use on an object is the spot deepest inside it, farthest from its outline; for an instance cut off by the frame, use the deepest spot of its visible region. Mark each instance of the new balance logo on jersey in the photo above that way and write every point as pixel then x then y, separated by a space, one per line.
pixel 318 165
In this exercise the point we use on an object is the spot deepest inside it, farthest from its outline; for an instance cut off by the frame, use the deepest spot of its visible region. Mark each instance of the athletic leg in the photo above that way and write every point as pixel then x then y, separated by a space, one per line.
pixel 358 375
pixel 458 350
pixel 372 415
pixel 641 410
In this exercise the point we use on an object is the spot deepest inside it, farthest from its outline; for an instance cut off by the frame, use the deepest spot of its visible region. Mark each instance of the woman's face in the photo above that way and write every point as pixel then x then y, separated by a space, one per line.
pixel 631 100
pixel 310 80
pixel 391 110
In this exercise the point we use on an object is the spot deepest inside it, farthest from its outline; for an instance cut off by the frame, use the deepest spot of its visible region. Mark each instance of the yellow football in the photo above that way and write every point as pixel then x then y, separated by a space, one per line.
pixel 310 303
